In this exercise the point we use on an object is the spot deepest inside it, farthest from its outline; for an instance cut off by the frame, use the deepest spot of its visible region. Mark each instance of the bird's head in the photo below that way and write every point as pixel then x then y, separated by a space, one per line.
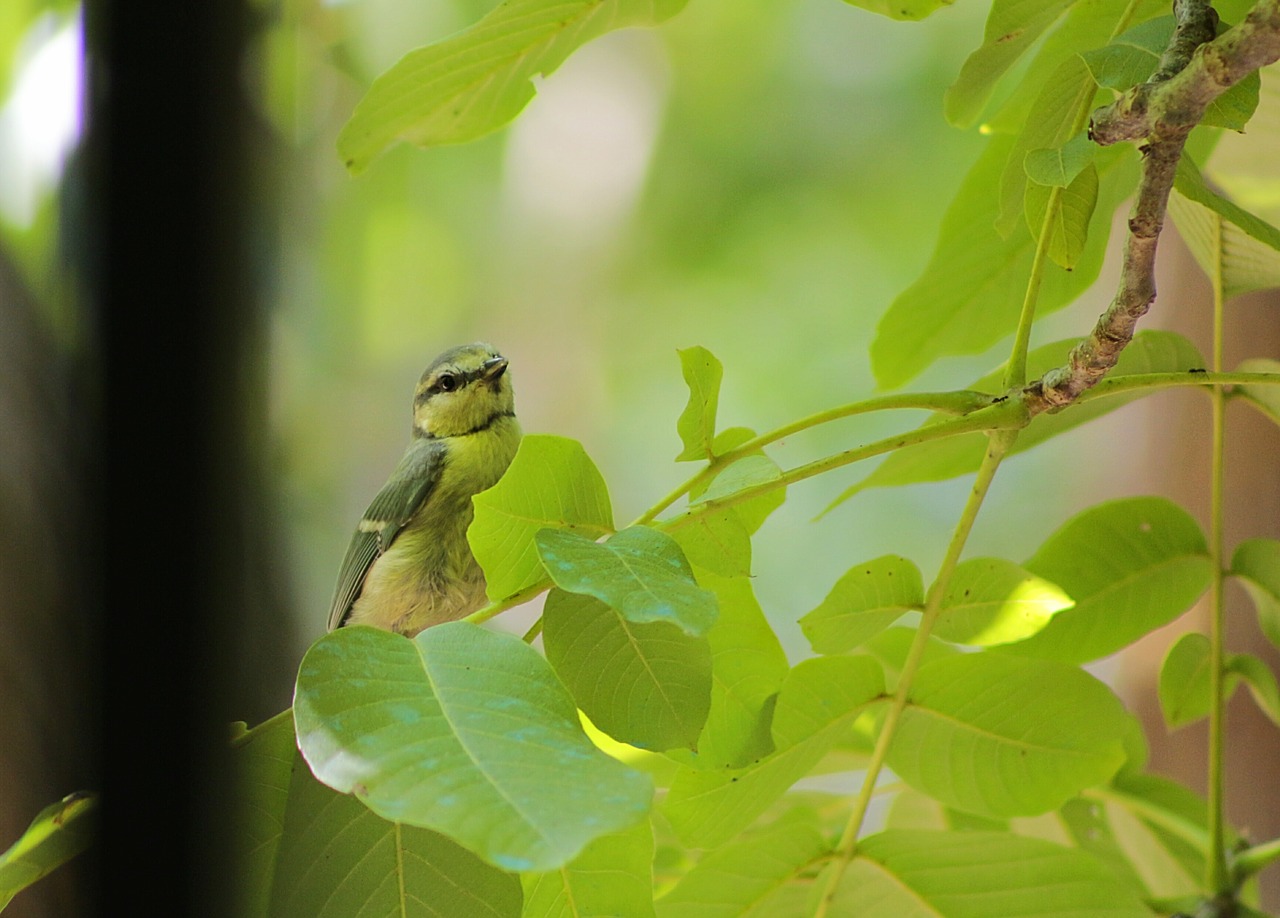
pixel 466 389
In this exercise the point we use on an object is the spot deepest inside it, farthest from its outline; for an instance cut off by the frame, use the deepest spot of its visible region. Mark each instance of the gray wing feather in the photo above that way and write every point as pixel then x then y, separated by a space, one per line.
pixel 409 486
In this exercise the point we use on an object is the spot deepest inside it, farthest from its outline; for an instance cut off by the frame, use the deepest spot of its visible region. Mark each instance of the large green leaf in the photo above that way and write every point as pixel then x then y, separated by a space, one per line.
pixel 992 601
pixel 748 666
pixel 867 599
pixel 1232 246
pixel 1131 566
pixel 57 834
pixel 1149 352
pixel 474 82
pixel 1256 563
pixel 697 423
pixel 1012 27
pixel 309 852
pixel 640 572
pixel 1184 680
pixel 1069 223
pixel 464 731
pixel 902 873
pixel 760 875
pixel 1004 736
pixel 648 684
pixel 611 877
pixel 551 482
pixel 817 703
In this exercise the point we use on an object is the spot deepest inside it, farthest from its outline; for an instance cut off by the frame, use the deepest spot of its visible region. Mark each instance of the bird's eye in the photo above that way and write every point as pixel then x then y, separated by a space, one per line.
pixel 447 382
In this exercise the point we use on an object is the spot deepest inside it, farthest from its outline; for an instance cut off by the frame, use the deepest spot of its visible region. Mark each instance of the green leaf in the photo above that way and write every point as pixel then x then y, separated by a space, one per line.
pixel 890 648
pixel 720 540
pixel 305 850
pixel 644 684
pixel 867 599
pixel 992 601
pixel 1232 246
pixel 902 873
pixel 1131 565
pixel 1266 398
pixel 1012 27
pixel 1257 564
pixel 760 875
pixel 1131 57
pixel 1003 736
pixel 1059 165
pixel 1260 680
pixel 911 10
pixel 1149 352
pixel 1184 681
pixel 970 294
pixel 640 572
pixel 474 82
pixel 1069 228
pixel 57 834
pixel 817 703
pixel 1233 109
pixel 748 667
pixel 697 423
pixel 611 877
pixel 551 483
pixel 464 731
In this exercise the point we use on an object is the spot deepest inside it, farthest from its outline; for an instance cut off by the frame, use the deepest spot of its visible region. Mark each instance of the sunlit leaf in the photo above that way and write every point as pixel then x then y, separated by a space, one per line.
pixel 1149 352
pixel 817 703
pixel 640 572
pixel 992 601
pixel 57 834
pixel 1184 680
pixel 1012 27
pixel 891 646
pixel 648 685
pixel 611 877
pixel 1004 736
pixel 756 876
pixel 551 483
pixel 1266 398
pixel 464 731
pixel 474 82
pixel 1131 566
pixel 903 873
pixel 867 599
pixel 1257 564
pixel 697 423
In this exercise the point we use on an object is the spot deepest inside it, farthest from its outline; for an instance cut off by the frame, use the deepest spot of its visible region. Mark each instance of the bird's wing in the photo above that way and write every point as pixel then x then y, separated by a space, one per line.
pixel 408 487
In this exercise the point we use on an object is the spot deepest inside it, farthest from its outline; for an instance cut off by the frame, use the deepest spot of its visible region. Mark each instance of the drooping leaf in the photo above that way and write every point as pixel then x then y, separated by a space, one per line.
pixel 551 483
pixel 612 876
pixel 1257 564
pixel 1012 27
pixel 1004 736
pixel 1059 165
pixel 697 423
pixel 474 82
pixel 640 572
pixel 748 666
pixel 1069 226
pixel 1184 680
pixel 648 684
pixel 921 874
pixel 867 599
pixel 757 876
pixel 1266 398
pixel 992 601
pixel 57 834
pixel 1131 566
pixel 1260 680
pixel 464 731
pixel 817 703
pixel 264 760
pixel 1149 352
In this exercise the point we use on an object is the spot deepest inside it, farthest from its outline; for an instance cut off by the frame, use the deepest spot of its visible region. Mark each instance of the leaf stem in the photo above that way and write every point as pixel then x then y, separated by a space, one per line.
pixel 1015 375
pixel 1118 385
pixel 997 449
pixel 1256 858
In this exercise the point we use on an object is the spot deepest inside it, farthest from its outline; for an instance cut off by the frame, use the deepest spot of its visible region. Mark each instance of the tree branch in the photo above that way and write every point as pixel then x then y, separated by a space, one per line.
pixel 1194 70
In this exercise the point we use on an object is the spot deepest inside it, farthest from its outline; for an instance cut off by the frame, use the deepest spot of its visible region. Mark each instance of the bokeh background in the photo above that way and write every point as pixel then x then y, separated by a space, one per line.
pixel 759 179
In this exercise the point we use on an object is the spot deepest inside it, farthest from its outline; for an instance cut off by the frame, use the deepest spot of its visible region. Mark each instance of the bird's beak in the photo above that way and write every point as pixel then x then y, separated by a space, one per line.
pixel 493 369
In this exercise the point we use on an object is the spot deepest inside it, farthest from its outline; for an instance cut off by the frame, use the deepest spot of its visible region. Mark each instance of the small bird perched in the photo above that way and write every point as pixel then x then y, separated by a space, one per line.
pixel 409 565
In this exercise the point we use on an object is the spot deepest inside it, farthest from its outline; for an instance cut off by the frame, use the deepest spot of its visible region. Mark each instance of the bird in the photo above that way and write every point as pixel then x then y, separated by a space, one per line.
pixel 409 565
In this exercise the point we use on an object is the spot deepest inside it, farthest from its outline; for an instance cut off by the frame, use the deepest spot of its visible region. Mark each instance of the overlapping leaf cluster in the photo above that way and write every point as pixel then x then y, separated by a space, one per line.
pixel 661 755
